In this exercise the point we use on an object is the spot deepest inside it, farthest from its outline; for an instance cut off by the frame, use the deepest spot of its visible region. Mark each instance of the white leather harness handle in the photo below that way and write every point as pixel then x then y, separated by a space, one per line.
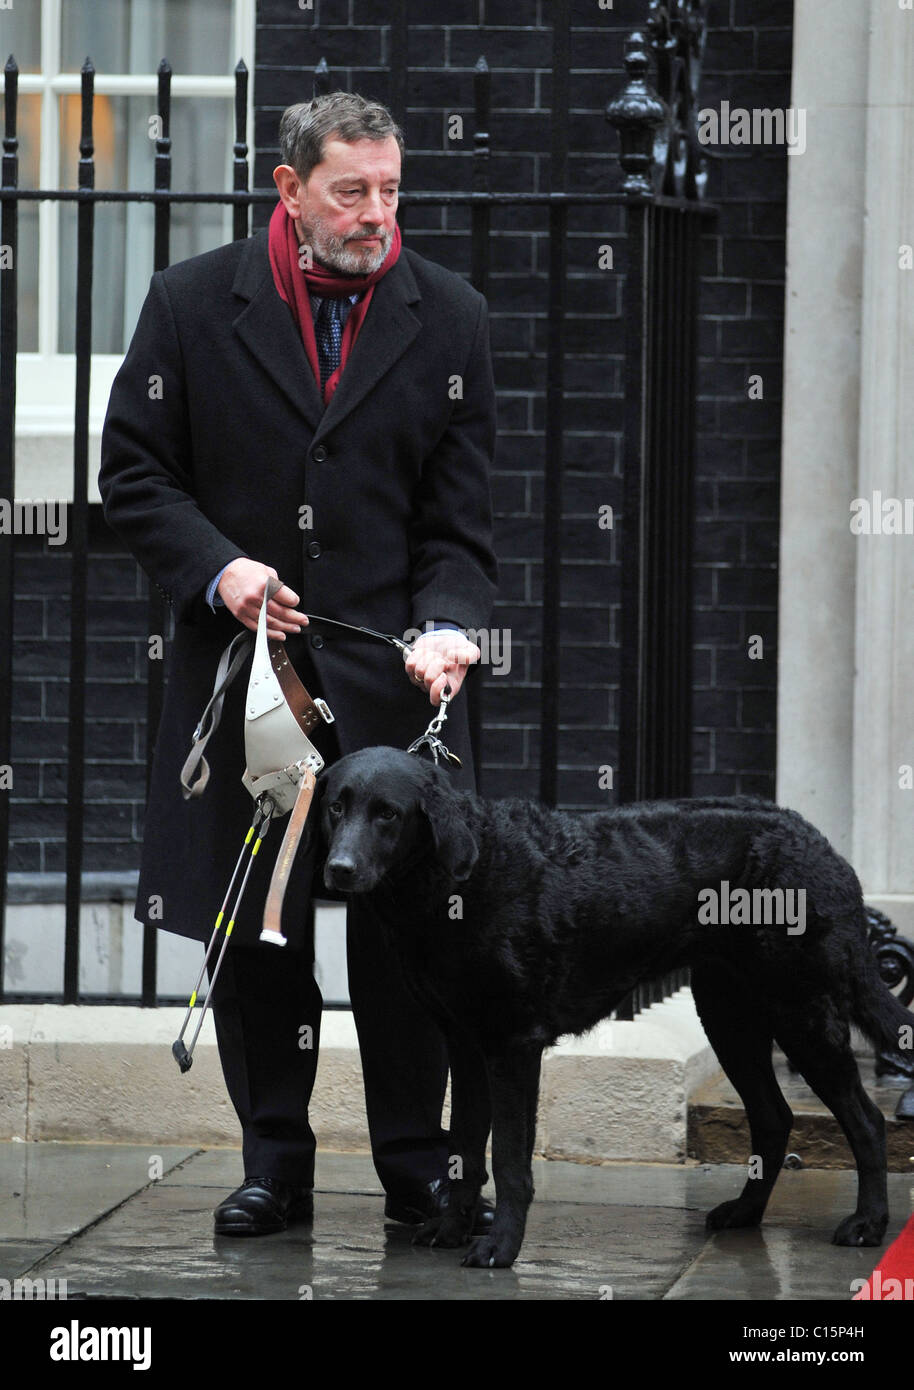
pixel 277 712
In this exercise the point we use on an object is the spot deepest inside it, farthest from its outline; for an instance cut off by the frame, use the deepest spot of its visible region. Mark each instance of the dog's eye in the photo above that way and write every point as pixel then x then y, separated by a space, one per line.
pixel 387 813
pixel 335 808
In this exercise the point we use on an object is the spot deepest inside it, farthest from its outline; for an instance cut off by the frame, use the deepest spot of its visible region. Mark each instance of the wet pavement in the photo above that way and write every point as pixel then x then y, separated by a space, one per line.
pixel 122 1222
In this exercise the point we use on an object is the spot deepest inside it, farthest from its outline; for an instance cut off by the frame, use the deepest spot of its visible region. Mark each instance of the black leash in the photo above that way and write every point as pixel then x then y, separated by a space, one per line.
pixel 436 746
pixel 404 647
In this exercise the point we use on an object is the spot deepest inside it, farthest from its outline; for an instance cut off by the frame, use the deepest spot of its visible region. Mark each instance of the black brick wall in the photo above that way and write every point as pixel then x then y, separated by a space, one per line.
pixel 117 667
pixel 748 63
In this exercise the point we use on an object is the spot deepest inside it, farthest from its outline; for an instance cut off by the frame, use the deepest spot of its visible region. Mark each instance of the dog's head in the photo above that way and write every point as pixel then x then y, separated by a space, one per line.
pixel 380 807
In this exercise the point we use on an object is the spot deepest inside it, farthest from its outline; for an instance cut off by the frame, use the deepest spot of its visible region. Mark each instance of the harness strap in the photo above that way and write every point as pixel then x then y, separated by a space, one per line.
pixel 230 663
pixel 272 913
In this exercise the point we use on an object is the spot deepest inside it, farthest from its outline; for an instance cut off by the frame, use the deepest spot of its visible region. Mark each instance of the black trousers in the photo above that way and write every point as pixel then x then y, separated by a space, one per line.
pixel 265 1001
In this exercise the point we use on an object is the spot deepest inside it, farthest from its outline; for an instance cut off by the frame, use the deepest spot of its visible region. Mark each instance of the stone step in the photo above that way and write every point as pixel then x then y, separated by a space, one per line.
pixel 86 1072
pixel 718 1131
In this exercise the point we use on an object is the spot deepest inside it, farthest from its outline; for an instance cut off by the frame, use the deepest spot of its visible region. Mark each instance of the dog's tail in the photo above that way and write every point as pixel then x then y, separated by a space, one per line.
pixel 877 1012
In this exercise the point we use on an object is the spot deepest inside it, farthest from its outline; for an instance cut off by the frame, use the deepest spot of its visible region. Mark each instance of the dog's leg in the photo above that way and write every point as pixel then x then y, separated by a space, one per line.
pixel 819 1047
pixel 742 1040
pixel 470 1124
pixel 514 1083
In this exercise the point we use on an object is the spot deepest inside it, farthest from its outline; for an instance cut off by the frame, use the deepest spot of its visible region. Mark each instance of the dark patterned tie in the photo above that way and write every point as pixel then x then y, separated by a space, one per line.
pixel 328 330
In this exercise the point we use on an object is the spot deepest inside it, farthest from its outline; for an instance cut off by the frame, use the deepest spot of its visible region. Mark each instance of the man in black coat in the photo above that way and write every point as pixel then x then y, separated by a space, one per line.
pixel 358 475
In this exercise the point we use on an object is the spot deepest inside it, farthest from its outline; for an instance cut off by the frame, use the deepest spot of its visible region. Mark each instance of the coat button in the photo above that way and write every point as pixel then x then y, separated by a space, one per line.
pixel 314 549
pixel 317 641
pixel 319 454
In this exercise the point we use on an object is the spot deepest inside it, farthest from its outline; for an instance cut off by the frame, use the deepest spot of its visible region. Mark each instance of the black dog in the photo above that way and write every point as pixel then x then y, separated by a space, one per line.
pixel 515 924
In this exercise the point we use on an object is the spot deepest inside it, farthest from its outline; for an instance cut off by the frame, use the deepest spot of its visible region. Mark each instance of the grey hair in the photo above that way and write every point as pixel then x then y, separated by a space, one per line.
pixel 305 128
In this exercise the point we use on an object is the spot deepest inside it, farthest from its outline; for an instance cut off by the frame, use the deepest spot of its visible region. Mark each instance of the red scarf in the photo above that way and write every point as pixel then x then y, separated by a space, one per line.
pixel 293 284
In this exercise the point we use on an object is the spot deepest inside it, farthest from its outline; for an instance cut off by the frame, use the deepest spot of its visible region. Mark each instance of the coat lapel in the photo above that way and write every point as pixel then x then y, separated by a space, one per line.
pixel 268 329
pixel 389 328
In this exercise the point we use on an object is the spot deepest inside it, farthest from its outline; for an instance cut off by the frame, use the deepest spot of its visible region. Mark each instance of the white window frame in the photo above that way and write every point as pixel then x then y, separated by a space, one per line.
pixel 46 379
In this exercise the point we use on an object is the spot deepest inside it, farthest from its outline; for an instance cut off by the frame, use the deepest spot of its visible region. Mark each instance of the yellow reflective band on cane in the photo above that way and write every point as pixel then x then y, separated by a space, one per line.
pixel 257 843
pixel 181 1053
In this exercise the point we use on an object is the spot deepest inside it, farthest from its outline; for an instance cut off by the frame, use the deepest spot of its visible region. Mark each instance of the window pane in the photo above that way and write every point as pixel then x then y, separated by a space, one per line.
pixel 20 34
pixel 132 36
pixel 29 130
pixel 201 135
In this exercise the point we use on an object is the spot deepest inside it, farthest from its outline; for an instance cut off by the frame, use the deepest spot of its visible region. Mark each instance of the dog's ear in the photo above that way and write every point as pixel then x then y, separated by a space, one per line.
pixel 457 850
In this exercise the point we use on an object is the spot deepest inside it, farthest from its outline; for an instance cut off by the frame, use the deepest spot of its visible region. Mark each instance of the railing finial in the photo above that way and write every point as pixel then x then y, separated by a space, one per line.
pixel 636 113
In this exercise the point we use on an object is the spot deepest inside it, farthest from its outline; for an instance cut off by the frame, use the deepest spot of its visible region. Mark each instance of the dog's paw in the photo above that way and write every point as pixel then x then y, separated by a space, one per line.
pixel 732 1216
pixel 444 1232
pixel 861 1230
pixel 491 1252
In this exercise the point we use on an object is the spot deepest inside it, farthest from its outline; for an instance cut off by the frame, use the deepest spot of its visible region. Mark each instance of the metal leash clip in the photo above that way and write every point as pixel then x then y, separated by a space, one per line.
pixel 430 739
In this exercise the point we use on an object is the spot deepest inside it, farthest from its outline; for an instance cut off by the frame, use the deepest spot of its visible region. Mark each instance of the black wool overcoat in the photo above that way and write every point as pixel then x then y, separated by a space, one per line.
pixel 376 510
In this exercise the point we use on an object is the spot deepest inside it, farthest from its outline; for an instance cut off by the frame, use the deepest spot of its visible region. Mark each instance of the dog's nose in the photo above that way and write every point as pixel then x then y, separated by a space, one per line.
pixel 341 871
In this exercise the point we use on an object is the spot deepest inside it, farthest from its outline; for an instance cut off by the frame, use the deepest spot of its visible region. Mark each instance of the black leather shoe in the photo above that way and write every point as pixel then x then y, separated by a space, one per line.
pixel 261 1206
pixel 422 1203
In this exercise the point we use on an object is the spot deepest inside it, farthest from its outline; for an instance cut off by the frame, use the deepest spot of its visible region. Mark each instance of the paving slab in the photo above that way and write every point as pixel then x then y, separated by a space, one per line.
pixel 49 1192
pixel 775 1262
pixel 161 1245
pixel 18 1256
pixel 90 1214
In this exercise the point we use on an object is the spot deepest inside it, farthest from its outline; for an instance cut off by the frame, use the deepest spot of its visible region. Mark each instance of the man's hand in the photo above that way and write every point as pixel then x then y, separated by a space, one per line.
pixel 439 659
pixel 241 590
